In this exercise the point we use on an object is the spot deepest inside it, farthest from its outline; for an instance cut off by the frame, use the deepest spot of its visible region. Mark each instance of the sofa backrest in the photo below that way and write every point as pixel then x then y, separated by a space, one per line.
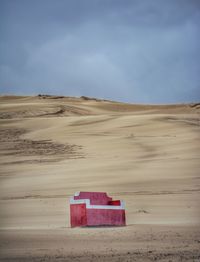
pixel 96 198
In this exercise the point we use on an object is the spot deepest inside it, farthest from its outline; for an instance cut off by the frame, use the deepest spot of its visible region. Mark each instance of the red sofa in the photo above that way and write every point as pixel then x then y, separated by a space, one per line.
pixel 96 209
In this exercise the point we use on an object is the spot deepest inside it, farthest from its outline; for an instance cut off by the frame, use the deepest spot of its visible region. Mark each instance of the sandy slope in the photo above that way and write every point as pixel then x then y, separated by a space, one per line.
pixel 147 155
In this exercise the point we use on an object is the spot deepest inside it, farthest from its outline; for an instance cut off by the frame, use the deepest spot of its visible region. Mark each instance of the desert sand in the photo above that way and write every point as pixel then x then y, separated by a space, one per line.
pixel 147 155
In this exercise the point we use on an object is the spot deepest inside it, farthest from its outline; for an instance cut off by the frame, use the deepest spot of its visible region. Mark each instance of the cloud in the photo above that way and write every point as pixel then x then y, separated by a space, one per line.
pixel 134 51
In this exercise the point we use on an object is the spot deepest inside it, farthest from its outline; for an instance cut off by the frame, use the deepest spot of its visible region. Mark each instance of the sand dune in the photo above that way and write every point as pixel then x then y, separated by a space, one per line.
pixel 148 155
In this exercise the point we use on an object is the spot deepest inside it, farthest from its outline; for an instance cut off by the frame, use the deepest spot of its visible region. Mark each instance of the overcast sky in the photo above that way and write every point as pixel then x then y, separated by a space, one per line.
pixel 140 51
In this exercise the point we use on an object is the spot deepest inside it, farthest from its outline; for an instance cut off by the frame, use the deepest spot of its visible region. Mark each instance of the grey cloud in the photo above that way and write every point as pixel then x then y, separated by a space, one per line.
pixel 135 51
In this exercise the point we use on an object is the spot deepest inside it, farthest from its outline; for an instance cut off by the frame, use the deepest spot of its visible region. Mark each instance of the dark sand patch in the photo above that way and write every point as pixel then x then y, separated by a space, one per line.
pixel 12 144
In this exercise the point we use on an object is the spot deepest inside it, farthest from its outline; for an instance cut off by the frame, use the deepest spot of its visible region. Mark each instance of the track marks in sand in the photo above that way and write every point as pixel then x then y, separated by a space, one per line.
pixel 37 151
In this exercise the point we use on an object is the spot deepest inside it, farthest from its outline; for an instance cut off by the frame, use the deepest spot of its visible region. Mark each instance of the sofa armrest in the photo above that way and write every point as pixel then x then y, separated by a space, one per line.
pixel 114 203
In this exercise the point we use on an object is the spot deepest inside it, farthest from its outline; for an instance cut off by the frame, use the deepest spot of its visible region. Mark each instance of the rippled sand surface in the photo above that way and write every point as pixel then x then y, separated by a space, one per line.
pixel 149 156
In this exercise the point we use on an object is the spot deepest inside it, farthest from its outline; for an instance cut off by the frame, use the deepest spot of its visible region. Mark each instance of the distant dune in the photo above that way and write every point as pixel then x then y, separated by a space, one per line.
pixel 148 155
